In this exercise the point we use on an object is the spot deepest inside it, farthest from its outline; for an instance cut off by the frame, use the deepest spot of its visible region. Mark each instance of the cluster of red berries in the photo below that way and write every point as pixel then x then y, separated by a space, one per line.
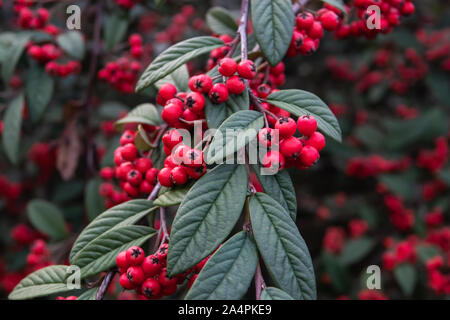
pixel 434 160
pixel 374 165
pixel 39 256
pixel 301 153
pixel 335 237
pixel 127 4
pixel 437 45
pixel 33 20
pixel 399 253
pixel 402 218
pixel 432 189
pixel 135 42
pixel 391 12
pixel 181 163
pixel 438 281
pixel 135 173
pixel 405 112
pixel 43 155
pixel 219 53
pixel 63 70
pixel 121 74
pixel 179 25
pixel 148 275
pixel 11 191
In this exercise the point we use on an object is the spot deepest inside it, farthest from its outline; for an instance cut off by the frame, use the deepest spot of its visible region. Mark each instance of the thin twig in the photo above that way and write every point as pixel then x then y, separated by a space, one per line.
pixel 105 284
pixel 259 282
pixel 155 192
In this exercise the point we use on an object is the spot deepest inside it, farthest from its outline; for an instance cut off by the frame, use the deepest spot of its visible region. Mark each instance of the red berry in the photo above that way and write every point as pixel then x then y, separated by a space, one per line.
pixel 297 39
pixel 127 137
pixel 195 101
pixel 227 67
pixel 308 47
pixel 263 90
pixel 329 20
pixel 218 93
pixel 193 158
pixel 151 266
pixel 162 252
pixel 291 147
pixel 304 20
pixel 235 85
pixel 143 165
pixel 267 137
pixel 170 162
pixel 286 127
pixel 179 175
pixel 123 169
pixel 169 290
pixel 107 173
pixel 306 125
pixel 134 177
pixel 316 140
pixel 121 260
pixel 167 91
pixel 172 138
pixel 316 30
pixel 151 175
pixel 309 156
pixel 135 40
pixel 151 288
pixel 135 256
pixel 273 160
pixel 196 173
pixel 146 187
pixel 129 152
pixel 165 280
pixel 246 69
pixel 125 282
pixel 165 178
pixel 171 112
pixel 135 275
pixel 201 83
pixel 131 190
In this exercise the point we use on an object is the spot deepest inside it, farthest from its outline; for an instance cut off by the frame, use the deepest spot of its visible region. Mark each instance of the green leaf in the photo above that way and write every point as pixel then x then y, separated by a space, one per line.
pixel 283 249
pixel 206 216
pixel 280 188
pixel 115 28
pixel 220 21
pixel 356 249
pixel 47 218
pixel 444 175
pixel 438 83
pixel 72 43
pixel 175 56
pixel 338 273
pixel 234 133
pixel 299 102
pixel 43 282
pixel 228 272
pixel 217 114
pixel 12 122
pixel 145 113
pixel 93 201
pixel 12 54
pixel 273 24
pixel 89 294
pixel 171 197
pixel 271 293
pixel 38 90
pixel 100 254
pixel 406 276
pixel 179 78
pixel 123 214
pixel 339 4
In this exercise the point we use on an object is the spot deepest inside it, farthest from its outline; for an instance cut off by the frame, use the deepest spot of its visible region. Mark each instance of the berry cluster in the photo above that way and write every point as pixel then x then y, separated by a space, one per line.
pixel 121 74
pixel 308 32
pixel 135 173
pixel 43 155
pixel 301 153
pixel 434 160
pixel 374 165
pixel 39 257
pixel 437 46
pixel 148 274
pixel 135 42
pixel 181 163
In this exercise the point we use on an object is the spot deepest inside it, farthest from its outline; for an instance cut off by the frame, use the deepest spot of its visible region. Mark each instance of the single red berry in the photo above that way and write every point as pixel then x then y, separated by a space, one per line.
pixel 151 175
pixel 227 67
pixel 135 275
pixel 304 20
pixel 127 137
pixel 408 8
pixel 162 252
pixel 329 20
pixel 316 30
pixel 165 280
pixel 135 40
pixel 308 156
pixel 164 177
pixel 179 175
pixel 167 91
pixel 246 69
pixel 146 187
pixel 125 282
pixel 316 140
pixel 123 169
pixel 107 173
pixel 151 288
pixel 308 47
pixel 106 190
pixel 134 177
pixel 172 112
pixel 218 93
pixel 307 125
pixel 143 165
pixel 286 127
pixel 267 137
pixel 170 162
pixel 273 160
pixel 135 256
pixel 291 147
pixel 178 153
pixel 169 290
pixel 297 40
pixel 121 260
pixel 235 85
pixel 195 101
pixel 151 266
pixel 131 190
pixel 129 152
pixel 201 83
pixel 197 172
pixel 172 138
pixel 263 90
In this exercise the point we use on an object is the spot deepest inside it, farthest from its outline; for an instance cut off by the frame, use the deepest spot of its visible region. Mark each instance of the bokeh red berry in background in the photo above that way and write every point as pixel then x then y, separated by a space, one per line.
pixel 77 139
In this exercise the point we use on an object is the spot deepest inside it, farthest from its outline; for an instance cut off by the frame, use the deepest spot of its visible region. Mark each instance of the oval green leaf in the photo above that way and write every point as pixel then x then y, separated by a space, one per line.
pixel 220 21
pixel 38 90
pixel 47 218
pixel 206 216
pixel 171 197
pixel 271 293
pixel 72 43
pixel 145 113
pixel 12 123
pixel 217 114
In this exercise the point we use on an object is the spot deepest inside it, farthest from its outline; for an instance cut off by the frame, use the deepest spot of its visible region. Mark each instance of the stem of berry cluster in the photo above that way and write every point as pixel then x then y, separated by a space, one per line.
pixel 105 284
pixel 259 282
